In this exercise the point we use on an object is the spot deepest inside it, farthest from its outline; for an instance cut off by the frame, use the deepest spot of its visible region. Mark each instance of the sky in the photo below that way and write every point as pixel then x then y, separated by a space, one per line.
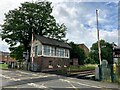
pixel 79 16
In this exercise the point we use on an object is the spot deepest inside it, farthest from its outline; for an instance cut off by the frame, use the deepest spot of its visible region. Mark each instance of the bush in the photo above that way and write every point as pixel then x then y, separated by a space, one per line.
pixel 89 60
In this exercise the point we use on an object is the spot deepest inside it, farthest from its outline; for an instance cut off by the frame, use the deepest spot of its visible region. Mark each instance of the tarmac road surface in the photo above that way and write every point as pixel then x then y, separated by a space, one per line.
pixel 26 79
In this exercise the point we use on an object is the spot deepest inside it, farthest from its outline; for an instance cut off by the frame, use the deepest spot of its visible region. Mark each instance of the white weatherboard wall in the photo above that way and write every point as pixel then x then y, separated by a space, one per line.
pixel 39 48
pixel 40 51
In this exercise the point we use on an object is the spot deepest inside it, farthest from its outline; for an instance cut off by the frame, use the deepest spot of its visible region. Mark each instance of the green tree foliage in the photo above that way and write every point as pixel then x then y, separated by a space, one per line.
pixel 17 52
pixel 77 52
pixel 89 60
pixel 106 51
pixel 19 24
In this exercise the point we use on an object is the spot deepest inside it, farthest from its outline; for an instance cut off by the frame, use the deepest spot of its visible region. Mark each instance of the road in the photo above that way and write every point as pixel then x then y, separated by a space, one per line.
pixel 27 79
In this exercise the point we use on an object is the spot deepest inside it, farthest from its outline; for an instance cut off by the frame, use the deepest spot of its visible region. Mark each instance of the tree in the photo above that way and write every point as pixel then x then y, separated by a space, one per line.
pixel 17 52
pixel 19 24
pixel 106 51
pixel 89 60
pixel 77 52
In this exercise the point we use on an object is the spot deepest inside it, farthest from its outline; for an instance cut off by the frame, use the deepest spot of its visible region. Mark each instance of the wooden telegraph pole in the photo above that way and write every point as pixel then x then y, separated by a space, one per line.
pixel 98 37
pixel 99 49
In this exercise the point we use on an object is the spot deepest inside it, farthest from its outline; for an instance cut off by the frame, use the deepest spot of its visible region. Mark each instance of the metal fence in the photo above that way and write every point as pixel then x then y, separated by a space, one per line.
pixel 106 75
pixel 111 71
pixel 117 75
pixel 34 67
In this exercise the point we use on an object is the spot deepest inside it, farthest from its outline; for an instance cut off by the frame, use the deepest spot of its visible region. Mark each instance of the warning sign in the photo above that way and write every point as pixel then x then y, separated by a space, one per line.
pixel 114 68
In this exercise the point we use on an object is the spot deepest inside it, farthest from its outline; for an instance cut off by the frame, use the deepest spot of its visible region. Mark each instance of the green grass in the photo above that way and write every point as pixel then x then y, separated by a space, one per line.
pixel 3 66
pixel 82 67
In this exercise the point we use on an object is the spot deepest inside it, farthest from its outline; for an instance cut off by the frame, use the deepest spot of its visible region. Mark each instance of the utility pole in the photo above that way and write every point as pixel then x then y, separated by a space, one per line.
pixel 99 49
pixel 98 37
pixel 32 57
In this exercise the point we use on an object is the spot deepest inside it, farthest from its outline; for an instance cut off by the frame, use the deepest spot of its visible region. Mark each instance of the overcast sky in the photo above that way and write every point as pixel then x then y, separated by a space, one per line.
pixel 79 16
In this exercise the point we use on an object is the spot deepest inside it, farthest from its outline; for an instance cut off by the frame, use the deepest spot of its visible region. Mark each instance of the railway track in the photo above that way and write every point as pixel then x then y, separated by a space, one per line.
pixel 83 74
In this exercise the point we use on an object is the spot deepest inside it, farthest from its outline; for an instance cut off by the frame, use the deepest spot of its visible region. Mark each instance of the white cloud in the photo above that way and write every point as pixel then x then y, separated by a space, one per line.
pixel 75 17
pixel 3 46
pixel 79 18
pixel 109 36
pixel 6 5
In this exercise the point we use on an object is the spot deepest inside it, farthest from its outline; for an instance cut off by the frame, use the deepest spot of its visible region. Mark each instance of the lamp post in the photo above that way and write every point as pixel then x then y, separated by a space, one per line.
pixel 99 49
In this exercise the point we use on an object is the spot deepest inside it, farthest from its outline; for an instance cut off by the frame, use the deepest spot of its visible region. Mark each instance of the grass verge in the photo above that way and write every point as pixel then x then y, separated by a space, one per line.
pixel 3 66
pixel 82 67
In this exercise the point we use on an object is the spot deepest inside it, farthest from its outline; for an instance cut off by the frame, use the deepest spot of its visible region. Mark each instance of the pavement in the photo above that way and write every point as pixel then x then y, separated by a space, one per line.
pixel 34 80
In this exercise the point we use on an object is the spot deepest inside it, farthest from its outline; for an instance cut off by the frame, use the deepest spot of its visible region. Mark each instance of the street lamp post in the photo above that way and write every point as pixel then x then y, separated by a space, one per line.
pixel 99 49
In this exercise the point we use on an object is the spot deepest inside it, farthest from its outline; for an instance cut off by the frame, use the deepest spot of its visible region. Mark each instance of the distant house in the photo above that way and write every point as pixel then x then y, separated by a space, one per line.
pixel 85 48
pixel 49 54
pixel 5 58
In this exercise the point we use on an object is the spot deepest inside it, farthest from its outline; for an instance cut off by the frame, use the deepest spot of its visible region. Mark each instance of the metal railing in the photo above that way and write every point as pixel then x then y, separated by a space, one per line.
pixel 107 73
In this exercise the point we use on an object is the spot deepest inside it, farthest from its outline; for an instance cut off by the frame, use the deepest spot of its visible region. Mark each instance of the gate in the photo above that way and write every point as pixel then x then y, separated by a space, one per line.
pixel 111 72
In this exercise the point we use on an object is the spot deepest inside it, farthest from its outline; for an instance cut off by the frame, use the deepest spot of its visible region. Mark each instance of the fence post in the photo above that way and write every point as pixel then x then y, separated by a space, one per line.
pixel 112 74
pixel 100 72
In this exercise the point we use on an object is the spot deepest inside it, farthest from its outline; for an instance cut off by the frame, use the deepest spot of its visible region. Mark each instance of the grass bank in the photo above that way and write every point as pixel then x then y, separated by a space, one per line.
pixel 3 66
pixel 82 67
pixel 72 69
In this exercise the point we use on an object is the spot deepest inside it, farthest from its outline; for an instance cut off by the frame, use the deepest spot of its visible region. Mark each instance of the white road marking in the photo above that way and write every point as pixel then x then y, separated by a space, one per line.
pixel 19 75
pixel 23 72
pixel 90 75
pixel 10 78
pixel 71 87
pixel 80 83
pixel 31 77
pixel 11 87
pixel 27 73
pixel 87 85
pixel 37 85
pixel 36 74
pixel 69 83
pixel 4 71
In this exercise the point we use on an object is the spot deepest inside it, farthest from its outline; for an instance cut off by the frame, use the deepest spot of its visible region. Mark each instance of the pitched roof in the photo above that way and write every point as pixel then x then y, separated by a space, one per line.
pixel 4 53
pixel 50 41
pixel 83 46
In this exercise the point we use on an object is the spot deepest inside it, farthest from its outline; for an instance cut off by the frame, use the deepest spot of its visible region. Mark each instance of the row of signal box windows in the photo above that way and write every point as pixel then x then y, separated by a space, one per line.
pixel 51 51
